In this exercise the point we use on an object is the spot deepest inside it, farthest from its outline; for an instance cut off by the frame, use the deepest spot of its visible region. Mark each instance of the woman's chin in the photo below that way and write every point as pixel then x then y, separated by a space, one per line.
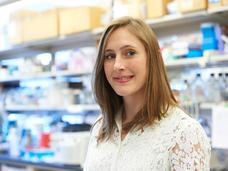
pixel 122 93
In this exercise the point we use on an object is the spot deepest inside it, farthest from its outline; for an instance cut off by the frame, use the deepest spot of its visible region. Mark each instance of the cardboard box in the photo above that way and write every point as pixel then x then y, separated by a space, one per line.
pixel 137 9
pixel 214 4
pixel 186 6
pixel 133 8
pixel 224 2
pixel 72 20
pixel 41 26
pixel 156 8
pixel 15 34
pixel 15 26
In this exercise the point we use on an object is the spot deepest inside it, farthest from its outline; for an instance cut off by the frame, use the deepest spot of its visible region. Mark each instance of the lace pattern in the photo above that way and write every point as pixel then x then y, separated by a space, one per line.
pixel 176 143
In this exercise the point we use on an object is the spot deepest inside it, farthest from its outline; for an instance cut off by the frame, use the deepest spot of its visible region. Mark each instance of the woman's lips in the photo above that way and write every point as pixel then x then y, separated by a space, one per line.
pixel 123 79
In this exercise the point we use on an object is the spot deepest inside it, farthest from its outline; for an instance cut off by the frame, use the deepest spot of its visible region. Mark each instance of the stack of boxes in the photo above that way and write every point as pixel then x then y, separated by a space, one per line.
pixel 158 8
pixel 26 26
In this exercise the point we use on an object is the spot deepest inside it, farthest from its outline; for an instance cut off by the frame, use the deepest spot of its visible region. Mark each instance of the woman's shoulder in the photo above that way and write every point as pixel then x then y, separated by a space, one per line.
pixel 189 142
pixel 97 125
pixel 180 117
pixel 184 124
pixel 181 122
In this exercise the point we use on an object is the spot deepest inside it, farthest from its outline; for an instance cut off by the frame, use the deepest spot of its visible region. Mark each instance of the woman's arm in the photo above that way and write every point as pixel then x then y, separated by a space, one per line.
pixel 191 150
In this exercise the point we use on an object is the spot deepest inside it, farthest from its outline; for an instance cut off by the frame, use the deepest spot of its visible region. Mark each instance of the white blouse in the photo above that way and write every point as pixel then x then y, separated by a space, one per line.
pixel 177 143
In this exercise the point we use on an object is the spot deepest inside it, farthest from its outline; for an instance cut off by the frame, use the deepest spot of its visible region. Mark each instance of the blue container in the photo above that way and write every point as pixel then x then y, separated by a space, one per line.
pixel 211 33
pixel 193 53
pixel 210 43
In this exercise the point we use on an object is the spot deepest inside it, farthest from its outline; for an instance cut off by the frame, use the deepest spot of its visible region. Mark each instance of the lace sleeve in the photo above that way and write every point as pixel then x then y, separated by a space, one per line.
pixel 191 149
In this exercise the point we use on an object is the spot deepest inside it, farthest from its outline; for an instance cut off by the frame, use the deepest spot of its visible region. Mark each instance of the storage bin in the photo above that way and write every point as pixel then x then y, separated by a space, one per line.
pixel 186 6
pixel 224 2
pixel 156 8
pixel 15 26
pixel 42 25
pixel 133 8
pixel 72 20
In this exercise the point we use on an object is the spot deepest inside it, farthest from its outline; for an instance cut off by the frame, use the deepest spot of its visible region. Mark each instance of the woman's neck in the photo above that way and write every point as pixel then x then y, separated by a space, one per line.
pixel 131 107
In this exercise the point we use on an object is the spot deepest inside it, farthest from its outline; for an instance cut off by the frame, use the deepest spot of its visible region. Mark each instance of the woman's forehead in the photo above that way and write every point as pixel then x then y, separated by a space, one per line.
pixel 121 38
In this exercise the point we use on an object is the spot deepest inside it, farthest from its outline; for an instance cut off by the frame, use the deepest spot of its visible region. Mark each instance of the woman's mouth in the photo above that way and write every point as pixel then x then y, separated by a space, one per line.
pixel 123 79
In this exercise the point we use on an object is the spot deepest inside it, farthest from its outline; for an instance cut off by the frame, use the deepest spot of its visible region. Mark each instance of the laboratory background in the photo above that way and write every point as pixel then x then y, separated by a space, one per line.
pixel 47 53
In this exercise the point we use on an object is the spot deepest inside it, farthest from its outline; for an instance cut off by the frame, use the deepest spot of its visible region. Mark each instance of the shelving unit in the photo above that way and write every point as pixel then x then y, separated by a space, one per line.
pixel 44 75
pixel 185 62
pixel 76 108
pixel 36 166
pixel 207 106
pixel 89 38
pixel 78 40
pixel 218 58
pixel 180 19
pixel 197 61
pixel 175 19
pixel 218 10
pixel 81 107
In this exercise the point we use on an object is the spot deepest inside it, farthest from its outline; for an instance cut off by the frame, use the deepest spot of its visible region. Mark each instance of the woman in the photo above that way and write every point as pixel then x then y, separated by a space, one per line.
pixel 141 127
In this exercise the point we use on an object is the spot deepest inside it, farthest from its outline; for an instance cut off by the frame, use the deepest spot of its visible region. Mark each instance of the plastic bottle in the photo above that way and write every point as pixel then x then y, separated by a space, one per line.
pixel 213 93
pixel 225 93
pixel 222 85
pixel 226 80
pixel 185 95
pixel 198 93
pixel 13 139
pixel 222 81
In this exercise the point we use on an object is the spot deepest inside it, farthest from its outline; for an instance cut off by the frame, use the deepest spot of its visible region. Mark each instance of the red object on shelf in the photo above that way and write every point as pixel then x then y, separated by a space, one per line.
pixel 45 140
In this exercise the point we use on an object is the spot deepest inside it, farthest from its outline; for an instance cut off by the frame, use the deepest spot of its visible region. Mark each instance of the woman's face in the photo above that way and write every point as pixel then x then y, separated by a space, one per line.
pixel 125 63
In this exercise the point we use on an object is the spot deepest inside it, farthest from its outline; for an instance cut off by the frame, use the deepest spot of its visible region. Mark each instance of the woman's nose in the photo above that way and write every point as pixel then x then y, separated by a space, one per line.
pixel 119 64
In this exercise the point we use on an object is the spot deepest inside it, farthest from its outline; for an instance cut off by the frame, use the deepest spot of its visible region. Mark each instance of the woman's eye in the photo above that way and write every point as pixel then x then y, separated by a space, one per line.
pixel 131 53
pixel 110 56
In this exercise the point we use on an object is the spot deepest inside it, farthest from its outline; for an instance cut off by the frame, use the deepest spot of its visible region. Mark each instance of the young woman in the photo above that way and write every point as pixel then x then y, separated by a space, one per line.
pixel 141 127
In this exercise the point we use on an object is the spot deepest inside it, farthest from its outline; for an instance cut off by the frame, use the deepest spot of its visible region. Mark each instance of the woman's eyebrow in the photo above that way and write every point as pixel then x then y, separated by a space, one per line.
pixel 127 46
pixel 108 50
pixel 121 48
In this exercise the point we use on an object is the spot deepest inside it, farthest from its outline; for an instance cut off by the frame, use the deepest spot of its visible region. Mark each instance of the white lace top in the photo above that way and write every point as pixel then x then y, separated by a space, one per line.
pixel 176 143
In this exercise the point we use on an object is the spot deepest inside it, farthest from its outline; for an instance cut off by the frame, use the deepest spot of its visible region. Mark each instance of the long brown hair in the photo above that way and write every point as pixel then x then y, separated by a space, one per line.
pixel 158 94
